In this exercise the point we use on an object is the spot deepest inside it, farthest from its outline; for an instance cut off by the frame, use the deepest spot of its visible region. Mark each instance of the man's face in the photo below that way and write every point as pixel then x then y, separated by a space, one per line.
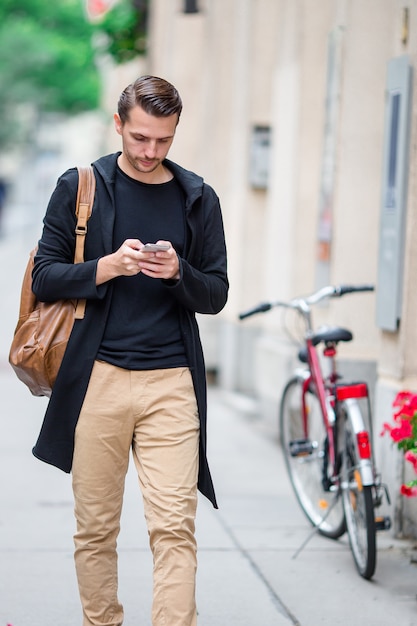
pixel 146 140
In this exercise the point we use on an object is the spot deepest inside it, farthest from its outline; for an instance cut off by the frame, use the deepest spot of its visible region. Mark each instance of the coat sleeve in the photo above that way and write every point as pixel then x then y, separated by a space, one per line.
pixel 54 275
pixel 203 284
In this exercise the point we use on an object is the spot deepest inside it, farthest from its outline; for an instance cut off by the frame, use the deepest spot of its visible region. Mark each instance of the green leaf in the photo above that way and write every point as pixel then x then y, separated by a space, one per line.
pixel 125 30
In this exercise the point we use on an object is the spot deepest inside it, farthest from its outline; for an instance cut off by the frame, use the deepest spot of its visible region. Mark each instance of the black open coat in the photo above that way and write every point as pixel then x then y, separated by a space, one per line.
pixel 202 288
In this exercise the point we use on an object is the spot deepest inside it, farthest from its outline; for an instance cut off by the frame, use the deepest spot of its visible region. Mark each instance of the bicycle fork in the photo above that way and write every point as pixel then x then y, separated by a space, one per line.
pixel 349 394
pixel 365 472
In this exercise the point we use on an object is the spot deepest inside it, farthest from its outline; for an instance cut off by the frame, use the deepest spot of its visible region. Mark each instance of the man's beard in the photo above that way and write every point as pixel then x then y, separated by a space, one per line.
pixel 136 164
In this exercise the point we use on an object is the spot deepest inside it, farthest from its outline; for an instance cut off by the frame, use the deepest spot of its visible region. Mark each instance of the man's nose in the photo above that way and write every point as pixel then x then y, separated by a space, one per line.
pixel 150 149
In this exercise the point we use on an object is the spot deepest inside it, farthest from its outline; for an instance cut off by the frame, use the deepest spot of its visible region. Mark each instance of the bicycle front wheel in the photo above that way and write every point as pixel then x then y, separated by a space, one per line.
pixel 306 458
pixel 357 499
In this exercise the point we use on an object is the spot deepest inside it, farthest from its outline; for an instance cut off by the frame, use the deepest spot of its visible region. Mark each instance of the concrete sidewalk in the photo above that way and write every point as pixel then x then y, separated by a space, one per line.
pixel 247 573
pixel 247 576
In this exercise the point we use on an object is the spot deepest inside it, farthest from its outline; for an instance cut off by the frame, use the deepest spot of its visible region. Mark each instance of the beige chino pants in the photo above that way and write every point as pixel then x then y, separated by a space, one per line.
pixel 154 413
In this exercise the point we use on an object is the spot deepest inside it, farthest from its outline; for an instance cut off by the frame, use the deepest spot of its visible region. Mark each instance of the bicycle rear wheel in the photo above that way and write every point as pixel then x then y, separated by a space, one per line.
pixel 307 468
pixel 357 500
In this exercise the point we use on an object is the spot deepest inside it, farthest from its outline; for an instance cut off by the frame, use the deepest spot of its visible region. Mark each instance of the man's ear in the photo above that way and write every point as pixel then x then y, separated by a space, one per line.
pixel 118 123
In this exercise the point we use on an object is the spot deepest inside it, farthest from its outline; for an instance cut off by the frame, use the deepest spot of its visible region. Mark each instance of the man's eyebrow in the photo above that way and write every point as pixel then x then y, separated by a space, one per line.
pixel 142 136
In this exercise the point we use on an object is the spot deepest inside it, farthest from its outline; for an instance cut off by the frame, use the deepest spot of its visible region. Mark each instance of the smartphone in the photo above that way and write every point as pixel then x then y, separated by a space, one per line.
pixel 154 247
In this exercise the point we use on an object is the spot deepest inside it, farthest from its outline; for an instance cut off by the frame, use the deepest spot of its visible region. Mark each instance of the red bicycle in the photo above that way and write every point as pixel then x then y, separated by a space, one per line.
pixel 326 436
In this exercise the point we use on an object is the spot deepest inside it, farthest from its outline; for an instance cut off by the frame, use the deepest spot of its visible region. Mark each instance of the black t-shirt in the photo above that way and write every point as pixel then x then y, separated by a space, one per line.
pixel 143 330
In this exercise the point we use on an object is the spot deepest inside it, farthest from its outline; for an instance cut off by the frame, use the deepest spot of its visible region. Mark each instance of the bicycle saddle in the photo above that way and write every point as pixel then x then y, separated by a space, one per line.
pixel 327 334
pixel 332 334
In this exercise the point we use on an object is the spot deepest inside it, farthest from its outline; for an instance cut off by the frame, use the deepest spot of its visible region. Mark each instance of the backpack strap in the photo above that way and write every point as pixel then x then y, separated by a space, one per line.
pixel 83 209
pixel 84 206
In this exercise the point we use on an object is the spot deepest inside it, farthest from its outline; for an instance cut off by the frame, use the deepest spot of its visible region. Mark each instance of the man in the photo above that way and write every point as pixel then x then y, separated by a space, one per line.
pixel 133 374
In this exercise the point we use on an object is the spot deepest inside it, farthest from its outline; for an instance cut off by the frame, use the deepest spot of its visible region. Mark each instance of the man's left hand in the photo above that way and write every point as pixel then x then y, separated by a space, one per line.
pixel 162 264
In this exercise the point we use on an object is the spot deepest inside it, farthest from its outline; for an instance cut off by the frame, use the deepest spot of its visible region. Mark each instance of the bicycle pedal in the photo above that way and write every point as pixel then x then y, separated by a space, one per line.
pixel 301 447
pixel 382 522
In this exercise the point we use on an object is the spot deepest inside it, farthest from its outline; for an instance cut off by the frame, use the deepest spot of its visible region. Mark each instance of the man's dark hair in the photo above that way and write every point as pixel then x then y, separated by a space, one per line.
pixel 154 95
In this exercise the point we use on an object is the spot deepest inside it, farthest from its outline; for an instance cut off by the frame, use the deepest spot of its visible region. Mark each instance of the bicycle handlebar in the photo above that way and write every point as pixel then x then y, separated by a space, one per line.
pixel 261 308
pixel 303 304
pixel 352 288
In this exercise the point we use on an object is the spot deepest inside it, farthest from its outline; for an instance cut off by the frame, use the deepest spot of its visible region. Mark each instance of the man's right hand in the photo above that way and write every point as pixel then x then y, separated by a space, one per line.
pixel 123 262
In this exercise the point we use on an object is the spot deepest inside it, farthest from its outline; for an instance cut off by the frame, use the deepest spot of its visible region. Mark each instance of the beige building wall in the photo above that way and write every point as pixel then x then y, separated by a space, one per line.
pixel 245 63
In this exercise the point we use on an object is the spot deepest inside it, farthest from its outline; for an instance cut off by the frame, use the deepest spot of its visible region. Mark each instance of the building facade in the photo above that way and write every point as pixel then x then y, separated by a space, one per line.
pixel 302 115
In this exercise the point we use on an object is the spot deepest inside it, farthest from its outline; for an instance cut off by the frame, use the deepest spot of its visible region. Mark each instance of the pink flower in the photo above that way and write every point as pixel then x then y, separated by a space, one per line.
pixel 405 397
pixel 411 457
pixel 386 428
pixel 406 403
pixel 404 431
pixel 409 492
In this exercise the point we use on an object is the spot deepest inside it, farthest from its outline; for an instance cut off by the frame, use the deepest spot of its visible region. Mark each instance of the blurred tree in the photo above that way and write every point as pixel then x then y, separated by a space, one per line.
pixel 48 50
pixel 124 27
pixel 46 55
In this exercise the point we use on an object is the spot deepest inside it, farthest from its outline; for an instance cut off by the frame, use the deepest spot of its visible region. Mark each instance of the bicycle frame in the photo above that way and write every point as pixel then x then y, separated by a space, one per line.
pixel 327 411
pixel 329 398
